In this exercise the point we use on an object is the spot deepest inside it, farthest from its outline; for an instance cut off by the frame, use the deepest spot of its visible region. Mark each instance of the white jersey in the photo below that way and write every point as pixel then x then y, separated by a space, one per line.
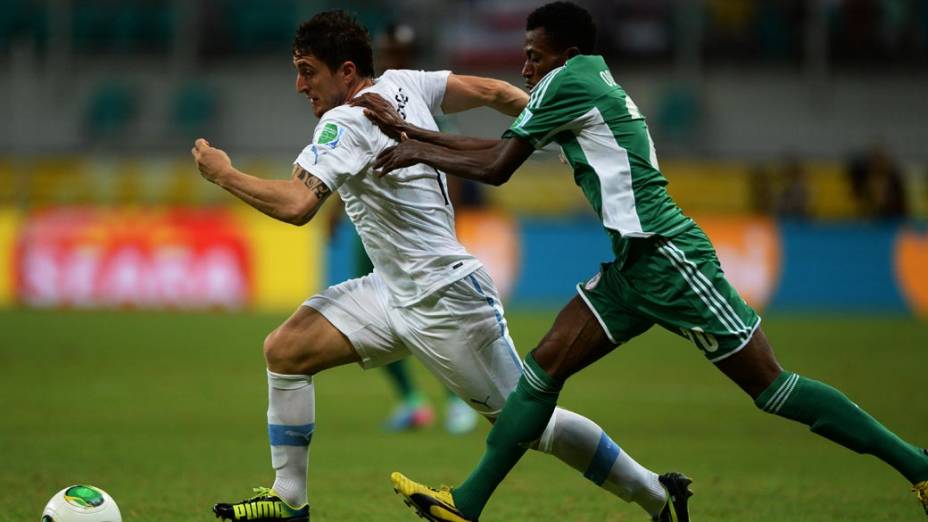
pixel 405 218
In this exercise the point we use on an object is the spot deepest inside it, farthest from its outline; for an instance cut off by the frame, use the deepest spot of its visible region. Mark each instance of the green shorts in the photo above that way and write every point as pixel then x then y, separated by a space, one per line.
pixel 678 284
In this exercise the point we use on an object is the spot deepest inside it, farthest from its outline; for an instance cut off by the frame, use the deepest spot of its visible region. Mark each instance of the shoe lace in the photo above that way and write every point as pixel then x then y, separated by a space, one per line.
pixel 260 492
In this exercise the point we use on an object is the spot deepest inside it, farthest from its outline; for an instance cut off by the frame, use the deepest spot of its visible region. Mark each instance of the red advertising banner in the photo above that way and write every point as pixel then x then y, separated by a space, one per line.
pixel 92 257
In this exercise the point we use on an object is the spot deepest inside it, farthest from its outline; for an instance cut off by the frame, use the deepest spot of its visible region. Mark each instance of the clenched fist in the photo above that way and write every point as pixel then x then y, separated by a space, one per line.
pixel 211 162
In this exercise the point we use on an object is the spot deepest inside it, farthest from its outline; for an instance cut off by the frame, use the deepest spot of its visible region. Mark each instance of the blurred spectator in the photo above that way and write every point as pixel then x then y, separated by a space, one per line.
pixel 761 190
pixel 779 27
pixel 641 31
pixel 792 199
pixel 395 47
pixel 882 31
pixel 782 192
pixel 755 30
pixel 729 28
pixel 877 184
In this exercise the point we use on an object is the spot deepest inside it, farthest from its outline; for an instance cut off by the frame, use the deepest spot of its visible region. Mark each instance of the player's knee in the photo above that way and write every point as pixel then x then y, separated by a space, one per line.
pixel 272 348
pixel 279 353
pixel 288 352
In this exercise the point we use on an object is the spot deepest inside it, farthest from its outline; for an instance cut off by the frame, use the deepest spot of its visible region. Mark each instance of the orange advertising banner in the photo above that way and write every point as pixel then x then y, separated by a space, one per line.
pixel 493 237
pixel 911 267
pixel 750 253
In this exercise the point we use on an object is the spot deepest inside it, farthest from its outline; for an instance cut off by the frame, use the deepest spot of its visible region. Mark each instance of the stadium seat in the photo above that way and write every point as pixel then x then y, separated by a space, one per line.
pixel 193 111
pixel 111 108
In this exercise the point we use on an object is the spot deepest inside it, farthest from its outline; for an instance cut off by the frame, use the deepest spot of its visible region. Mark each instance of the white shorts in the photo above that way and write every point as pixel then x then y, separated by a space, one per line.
pixel 459 333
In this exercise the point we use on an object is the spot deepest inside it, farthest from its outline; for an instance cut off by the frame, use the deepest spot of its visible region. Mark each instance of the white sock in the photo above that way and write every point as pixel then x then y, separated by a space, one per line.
pixel 291 417
pixel 584 446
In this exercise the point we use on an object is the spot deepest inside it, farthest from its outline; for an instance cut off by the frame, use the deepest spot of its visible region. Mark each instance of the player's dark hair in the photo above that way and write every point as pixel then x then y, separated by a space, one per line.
pixel 336 37
pixel 566 25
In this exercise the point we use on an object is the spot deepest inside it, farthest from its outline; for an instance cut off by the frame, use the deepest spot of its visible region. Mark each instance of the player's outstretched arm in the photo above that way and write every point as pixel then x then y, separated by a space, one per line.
pixel 384 115
pixel 293 201
pixel 468 92
pixel 494 165
pixel 461 93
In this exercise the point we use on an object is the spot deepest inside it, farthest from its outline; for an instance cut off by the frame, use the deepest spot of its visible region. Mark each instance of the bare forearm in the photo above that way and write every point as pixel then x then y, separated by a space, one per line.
pixel 478 164
pixel 509 99
pixel 276 198
pixel 450 141
pixel 467 92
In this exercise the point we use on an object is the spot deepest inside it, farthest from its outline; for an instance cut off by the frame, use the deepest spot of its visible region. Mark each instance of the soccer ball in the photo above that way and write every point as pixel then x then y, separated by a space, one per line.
pixel 81 503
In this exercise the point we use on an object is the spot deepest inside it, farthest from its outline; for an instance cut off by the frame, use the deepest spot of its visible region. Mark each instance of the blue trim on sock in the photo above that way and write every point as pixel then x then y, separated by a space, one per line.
pixel 606 454
pixel 283 435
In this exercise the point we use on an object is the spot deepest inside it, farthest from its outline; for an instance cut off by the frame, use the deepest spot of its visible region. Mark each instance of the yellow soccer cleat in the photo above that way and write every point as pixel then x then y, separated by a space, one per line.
pixel 435 505
pixel 921 493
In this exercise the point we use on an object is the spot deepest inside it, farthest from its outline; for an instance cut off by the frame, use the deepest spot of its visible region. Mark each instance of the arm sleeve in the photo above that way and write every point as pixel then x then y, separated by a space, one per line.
pixel 339 151
pixel 553 107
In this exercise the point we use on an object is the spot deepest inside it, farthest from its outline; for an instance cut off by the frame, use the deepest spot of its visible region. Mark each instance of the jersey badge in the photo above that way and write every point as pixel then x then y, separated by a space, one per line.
pixel 591 284
pixel 331 134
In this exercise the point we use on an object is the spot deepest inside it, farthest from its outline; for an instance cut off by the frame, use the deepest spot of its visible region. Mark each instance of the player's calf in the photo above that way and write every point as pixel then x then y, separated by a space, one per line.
pixel 829 413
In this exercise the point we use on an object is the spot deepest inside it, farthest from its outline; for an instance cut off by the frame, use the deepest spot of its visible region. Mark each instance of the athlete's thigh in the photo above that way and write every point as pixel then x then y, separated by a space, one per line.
pixel 307 343
pixel 460 334
pixel 601 317
pixel 577 339
pixel 359 310
pixel 683 288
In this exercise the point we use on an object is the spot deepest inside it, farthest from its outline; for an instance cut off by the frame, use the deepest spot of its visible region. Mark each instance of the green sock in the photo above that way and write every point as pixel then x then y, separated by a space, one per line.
pixel 829 413
pixel 521 423
pixel 402 381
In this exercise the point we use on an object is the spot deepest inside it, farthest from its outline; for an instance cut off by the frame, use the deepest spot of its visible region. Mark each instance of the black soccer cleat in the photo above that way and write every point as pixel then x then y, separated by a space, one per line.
pixel 678 495
pixel 265 506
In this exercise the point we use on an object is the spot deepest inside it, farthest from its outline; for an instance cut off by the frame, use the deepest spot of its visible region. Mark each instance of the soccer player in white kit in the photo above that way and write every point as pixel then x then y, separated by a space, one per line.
pixel 427 295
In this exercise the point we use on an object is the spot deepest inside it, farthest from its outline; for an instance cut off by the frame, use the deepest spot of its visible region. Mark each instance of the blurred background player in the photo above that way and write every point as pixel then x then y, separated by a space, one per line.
pixel 395 48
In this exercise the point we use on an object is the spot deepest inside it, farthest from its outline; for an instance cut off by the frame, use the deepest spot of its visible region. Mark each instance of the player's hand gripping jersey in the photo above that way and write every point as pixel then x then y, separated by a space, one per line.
pixel 606 141
pixel 405 220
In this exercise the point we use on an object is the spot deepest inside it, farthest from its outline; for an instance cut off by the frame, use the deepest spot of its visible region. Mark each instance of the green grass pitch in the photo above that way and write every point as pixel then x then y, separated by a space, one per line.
pixel 166 411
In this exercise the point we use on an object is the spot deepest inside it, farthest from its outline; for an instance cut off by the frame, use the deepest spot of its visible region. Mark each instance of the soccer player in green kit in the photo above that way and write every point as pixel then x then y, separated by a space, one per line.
pixel 665 270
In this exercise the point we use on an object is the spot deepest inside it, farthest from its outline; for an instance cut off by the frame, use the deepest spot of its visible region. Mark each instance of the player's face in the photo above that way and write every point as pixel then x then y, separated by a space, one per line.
pixel 540 57
pixel 324 88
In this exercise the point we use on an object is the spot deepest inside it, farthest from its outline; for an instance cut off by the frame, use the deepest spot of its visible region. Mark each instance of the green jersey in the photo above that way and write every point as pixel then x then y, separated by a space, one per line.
pixel 606 141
